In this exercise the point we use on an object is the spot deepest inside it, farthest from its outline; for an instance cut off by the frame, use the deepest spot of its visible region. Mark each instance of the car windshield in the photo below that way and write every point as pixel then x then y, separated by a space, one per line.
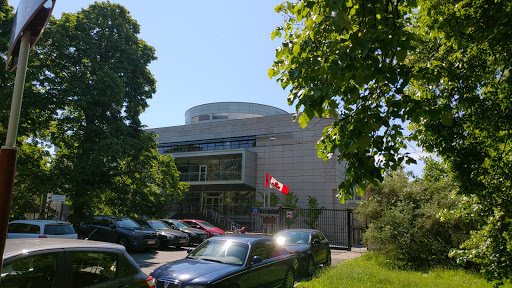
pixel 180 224
pixel 292 237
pixel 158 225
pixel 223 251
pixel 206 224
pixel 127 223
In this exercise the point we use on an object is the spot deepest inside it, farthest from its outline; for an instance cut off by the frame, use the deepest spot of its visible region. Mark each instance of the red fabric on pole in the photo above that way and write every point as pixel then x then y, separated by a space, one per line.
pixel 276 184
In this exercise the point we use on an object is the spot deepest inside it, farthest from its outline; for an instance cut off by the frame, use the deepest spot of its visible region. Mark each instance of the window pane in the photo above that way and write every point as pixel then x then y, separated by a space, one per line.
pixel 91 268
pixel 32 271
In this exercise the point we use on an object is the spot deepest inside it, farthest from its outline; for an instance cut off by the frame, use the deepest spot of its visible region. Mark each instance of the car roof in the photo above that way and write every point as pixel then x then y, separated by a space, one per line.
pixel 38 222
pixel 20 246
pixel 246 238
pixel 299 230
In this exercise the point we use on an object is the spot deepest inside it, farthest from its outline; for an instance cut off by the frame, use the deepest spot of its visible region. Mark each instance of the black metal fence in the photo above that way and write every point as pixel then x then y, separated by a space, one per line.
pixel 340 226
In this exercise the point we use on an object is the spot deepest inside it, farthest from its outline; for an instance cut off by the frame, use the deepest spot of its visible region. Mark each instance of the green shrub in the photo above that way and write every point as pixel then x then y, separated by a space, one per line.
pixel 405 218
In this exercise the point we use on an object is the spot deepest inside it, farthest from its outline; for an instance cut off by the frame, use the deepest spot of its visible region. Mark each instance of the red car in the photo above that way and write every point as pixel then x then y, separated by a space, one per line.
pixel 203 225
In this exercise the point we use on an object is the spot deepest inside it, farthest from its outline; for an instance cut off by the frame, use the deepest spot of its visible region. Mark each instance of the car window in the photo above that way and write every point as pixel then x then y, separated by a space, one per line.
pixel 158 225
pixel 271 249
pixel 259 249
pixel 58 229
pixel 127 223
pixel 92 268
pixel 321 236
pixel 23 228
pixel 31 271
pixel 180 224
pixel 314 236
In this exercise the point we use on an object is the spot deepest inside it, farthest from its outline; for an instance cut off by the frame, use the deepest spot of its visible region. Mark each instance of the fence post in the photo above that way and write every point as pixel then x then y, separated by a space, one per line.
pixel 349 230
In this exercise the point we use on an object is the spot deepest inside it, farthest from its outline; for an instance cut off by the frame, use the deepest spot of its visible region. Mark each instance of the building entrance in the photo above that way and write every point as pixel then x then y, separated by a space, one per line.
pixel 213 201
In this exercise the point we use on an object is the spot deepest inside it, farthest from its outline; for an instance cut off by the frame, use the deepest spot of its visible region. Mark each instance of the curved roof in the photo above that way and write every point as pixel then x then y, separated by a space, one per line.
pixel 220 111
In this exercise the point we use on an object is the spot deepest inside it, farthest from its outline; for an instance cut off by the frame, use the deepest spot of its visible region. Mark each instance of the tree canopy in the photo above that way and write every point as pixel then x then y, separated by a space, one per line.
pixel 90 81
pixel 441 67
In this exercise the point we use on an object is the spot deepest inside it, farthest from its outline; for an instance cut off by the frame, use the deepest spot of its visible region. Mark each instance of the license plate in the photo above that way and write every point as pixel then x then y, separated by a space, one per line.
pixel 151 241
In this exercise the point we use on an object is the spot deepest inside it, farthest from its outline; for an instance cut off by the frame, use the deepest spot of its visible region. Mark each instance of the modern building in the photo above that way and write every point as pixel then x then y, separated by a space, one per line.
pixel 225 150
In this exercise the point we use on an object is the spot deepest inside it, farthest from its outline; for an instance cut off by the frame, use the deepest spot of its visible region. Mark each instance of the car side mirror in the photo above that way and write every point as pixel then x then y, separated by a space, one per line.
pixel 174 227
pixel 112 226
pixel 256 260
pixel 316 241
pixel 189 250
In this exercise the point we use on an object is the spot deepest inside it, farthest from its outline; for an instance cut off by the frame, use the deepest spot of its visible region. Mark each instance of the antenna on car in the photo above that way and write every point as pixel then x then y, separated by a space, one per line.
pixel 91 234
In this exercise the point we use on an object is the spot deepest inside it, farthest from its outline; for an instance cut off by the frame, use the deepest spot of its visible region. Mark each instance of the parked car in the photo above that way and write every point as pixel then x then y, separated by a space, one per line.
pixel 239 260
pixel 60 263
pixel 121 230
pixel 310 246
pixel 195 236
pixel 166 235
pixel 205 226
pixel 40 229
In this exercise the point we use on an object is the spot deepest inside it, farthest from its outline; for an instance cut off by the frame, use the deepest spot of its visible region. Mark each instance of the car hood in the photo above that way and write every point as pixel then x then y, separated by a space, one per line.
pixel 215 230
pixel 170 232
pixel 194 271
pixel 140 230
pixel 297 248
pixel 193 230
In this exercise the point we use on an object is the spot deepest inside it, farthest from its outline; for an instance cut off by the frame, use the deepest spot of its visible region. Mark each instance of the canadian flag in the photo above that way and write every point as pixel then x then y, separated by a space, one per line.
pixel 276 184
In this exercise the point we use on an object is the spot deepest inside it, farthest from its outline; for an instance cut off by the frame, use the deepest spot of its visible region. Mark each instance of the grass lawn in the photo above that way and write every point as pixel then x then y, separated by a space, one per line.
pixel 371 270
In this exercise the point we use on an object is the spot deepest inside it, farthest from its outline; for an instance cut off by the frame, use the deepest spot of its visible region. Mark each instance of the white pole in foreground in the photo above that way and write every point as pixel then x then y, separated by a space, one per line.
pixel 17 95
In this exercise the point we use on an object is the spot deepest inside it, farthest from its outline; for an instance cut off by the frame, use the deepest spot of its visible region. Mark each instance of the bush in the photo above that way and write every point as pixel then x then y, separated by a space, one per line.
pixel 405 218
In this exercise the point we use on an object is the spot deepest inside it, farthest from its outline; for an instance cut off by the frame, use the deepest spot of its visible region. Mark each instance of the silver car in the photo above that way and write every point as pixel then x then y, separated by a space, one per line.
pixel 40 229
pixel 59 263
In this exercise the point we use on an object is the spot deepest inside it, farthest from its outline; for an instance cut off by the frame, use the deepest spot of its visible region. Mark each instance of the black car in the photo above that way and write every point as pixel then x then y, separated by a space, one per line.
pixel 310 246
pixel 121 230
pixel 239 260
pixel 196 236
pixel 166 236
pixel 63 263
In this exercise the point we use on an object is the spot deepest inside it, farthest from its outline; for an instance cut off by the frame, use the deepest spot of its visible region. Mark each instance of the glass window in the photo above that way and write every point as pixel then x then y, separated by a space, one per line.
pixel 259 249
pixel 23 228
pixel 58 229
pixel 92 268
pixel 31 271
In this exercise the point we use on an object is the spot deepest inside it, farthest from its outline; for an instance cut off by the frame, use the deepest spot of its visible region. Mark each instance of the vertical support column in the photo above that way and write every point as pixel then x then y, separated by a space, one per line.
pixel 349 229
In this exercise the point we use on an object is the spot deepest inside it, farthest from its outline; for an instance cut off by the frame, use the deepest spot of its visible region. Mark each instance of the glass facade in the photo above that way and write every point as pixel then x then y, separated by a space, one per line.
pixel 214 168
pixel 207 145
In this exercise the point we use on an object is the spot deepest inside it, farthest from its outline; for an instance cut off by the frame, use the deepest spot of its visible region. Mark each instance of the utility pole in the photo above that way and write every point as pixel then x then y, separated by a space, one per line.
pixel 29 22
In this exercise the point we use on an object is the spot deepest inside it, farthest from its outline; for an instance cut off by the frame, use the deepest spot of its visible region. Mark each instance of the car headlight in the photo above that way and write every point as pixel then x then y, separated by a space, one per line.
pixel 192 235
pixel 170 237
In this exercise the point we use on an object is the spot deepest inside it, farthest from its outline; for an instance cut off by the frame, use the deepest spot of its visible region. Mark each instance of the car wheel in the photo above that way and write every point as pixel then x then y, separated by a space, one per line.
pixel 327 262
pixel 289 280
pixel 123 241
pixel 310 267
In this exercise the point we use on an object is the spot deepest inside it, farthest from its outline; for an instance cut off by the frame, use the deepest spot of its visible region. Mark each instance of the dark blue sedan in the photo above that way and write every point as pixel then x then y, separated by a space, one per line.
pixel 231 261
pixel 310 246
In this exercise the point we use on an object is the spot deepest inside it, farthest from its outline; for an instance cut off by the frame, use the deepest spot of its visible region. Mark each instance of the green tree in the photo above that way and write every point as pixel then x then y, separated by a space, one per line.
pixel 444 68
pixel 95 69
pixel 405 220
pixel 313 212
pixel 289 200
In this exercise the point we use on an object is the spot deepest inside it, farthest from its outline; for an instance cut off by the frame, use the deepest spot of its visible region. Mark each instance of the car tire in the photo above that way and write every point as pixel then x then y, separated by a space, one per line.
pixel 123 241
pixel 310 266
pixel 327 262
pixel 289 279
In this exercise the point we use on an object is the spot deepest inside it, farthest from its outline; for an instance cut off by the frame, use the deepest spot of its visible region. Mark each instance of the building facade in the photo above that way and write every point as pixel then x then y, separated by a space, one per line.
pixel 226 149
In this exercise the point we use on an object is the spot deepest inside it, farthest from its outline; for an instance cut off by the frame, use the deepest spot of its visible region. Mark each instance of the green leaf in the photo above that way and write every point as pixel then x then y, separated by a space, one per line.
pixel 401 55
pixel 447 118
pixel 270 73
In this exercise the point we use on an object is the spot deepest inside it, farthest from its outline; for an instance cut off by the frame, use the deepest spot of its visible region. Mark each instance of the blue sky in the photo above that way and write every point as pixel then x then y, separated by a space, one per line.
pixel 208 51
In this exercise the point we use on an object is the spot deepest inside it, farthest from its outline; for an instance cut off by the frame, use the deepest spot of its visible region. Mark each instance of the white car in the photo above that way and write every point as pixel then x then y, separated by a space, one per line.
pixel 40 229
